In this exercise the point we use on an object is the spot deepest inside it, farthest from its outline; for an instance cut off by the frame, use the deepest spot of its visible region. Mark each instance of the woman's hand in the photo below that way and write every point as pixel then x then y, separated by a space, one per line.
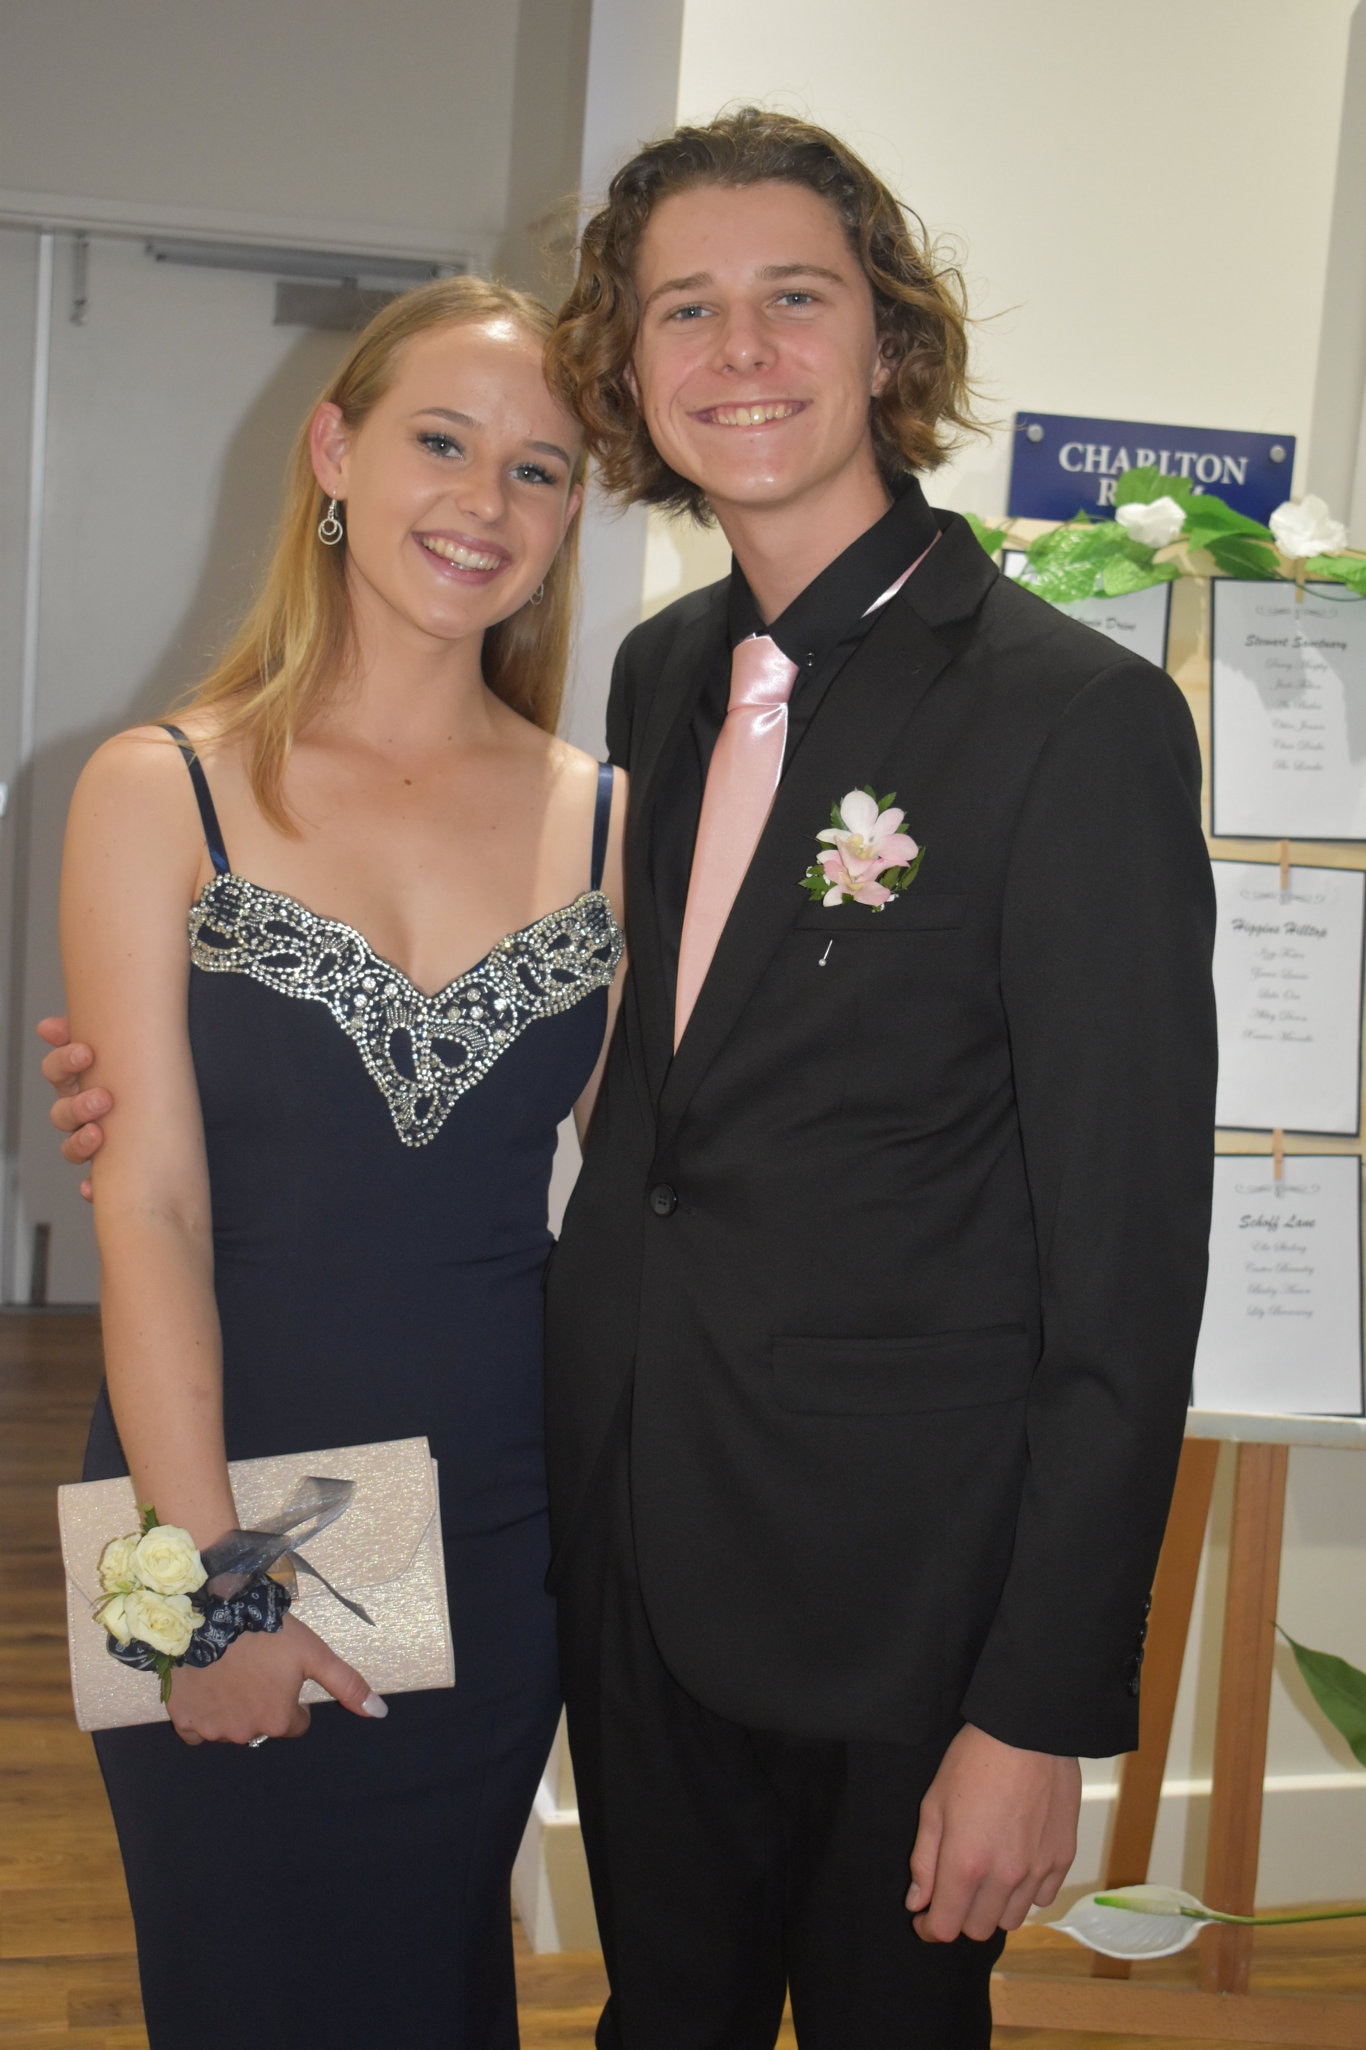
pixel 253 1690
pixel 76 1111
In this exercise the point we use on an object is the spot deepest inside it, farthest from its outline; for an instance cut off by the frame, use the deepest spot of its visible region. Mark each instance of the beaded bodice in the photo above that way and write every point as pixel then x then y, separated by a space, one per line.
pixel 423 1052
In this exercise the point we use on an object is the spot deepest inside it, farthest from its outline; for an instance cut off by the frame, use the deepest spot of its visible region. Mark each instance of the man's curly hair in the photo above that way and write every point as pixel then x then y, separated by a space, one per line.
pixel 925 407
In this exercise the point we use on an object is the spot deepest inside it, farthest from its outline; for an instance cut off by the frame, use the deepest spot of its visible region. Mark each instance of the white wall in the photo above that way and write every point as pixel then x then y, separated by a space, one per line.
pixel 1143 194
pixel 546 145
pixel 20 298
pixel 630 95
pixel 350 122
pixel 1337 464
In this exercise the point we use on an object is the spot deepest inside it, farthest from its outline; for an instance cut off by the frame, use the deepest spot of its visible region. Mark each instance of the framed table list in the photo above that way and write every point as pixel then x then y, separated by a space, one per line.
pixel 1282 1325
pixel 1138 622
pixel 1287 712
pixel 1288 987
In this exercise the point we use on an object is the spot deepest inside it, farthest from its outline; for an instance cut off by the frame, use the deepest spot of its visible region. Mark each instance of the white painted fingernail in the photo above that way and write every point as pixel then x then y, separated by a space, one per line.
pixel 375 1704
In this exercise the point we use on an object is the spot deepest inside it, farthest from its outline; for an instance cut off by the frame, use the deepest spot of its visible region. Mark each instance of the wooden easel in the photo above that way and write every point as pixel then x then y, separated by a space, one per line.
pixel 1223 2007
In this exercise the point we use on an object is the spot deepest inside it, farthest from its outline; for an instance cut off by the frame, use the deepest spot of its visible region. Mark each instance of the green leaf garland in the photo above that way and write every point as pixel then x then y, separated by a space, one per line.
pixel 1339 569
pixel 1241 555
pixel 1119 576
pixel 1207 518
pixel 1086 558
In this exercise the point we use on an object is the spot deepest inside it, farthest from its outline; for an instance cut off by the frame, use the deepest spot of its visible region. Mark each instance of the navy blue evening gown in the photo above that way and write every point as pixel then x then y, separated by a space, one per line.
pixel 379 1164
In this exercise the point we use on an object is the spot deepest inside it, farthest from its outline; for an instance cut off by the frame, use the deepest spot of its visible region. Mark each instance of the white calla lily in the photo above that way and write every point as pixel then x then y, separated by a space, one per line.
pixel 1156 1921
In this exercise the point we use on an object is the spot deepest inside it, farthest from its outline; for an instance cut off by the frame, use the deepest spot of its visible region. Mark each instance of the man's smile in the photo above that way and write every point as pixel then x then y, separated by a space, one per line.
pixel 759 413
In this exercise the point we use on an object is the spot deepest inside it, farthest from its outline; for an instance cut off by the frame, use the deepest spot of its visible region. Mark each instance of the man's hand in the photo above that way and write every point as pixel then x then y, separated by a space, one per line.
pixel 998 1831
pixel 76 1110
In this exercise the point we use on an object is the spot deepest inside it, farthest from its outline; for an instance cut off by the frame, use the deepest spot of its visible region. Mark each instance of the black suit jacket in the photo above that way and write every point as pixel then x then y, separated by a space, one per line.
pixel 895 1271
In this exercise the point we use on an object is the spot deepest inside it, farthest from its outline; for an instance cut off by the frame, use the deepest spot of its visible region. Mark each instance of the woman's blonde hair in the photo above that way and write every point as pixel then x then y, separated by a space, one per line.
pixel 296 637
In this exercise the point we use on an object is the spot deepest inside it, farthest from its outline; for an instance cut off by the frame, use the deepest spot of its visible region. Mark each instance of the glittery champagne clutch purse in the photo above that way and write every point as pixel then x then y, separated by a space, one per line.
pixel 384 1553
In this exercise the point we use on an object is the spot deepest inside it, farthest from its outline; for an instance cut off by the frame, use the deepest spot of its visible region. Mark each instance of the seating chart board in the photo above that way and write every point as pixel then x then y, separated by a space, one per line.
pixel 1288 984
pixel 1288 711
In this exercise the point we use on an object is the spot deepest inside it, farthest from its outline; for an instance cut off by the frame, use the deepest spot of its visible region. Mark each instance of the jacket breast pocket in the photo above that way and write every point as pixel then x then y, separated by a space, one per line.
pixel 944 912
pixel 888 1376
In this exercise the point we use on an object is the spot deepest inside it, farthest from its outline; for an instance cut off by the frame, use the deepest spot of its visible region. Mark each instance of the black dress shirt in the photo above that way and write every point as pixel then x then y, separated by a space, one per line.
pixel 818 631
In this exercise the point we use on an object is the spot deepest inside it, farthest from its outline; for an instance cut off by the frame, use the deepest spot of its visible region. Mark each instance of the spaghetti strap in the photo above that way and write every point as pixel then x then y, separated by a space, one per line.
pixel 602 814
pixel 213 836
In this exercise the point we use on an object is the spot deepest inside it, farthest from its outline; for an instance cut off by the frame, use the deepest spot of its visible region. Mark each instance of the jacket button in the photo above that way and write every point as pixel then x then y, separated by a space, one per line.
pixel 663 1200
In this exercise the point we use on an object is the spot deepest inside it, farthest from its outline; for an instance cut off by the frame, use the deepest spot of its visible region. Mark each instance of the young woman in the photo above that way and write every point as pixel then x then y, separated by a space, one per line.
pixel 321 1206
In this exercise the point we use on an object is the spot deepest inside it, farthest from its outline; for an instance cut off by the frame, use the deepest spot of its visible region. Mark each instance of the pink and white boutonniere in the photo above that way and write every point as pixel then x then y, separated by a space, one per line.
pixel 869 860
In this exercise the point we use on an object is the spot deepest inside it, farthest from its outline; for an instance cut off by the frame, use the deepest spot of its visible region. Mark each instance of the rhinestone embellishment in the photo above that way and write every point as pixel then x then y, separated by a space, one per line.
pixel 422 1051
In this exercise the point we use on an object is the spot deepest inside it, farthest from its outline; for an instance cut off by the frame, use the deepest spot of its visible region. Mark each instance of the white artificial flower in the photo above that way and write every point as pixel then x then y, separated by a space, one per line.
pixel 1156 1921
pixel 1307 528
pixel 166 1561
pixel 1154 524
pixel 1152 1925
pixel 116 1562
pixel 164 1622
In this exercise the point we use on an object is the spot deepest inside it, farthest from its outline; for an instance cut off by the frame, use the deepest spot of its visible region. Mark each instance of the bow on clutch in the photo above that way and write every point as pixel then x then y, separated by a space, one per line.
pixel 243 1554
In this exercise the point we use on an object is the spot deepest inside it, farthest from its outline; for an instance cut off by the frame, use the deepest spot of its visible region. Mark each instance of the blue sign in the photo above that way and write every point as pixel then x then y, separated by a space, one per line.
pixel 1061 465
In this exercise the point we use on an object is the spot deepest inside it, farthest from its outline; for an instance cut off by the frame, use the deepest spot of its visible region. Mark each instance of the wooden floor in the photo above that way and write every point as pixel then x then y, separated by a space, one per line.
pixel 67 1968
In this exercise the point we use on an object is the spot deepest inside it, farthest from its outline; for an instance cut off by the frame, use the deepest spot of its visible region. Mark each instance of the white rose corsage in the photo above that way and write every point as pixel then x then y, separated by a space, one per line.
pixel 148 1577
pixel 165 1606
pixel 868 859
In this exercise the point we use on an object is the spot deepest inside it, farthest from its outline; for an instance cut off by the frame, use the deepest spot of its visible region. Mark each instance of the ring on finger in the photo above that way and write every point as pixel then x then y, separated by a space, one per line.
pixel 254 1743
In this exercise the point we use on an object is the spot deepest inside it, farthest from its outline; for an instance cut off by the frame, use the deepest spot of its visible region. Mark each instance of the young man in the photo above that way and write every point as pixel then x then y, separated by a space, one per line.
pixel 871 1326
pixel 872 1320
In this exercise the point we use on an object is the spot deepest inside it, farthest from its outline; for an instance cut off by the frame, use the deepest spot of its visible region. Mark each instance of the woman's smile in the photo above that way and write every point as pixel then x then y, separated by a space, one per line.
pixel 468 561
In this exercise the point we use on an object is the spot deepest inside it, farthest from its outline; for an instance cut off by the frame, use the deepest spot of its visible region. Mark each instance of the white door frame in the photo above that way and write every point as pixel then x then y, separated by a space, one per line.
pixel 14 822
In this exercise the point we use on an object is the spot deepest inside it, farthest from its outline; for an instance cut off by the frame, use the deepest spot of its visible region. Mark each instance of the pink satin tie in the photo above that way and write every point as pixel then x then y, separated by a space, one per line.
pixel 746 764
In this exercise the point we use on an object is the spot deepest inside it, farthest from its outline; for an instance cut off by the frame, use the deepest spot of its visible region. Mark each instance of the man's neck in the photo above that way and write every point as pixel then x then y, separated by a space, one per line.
pixel 783 548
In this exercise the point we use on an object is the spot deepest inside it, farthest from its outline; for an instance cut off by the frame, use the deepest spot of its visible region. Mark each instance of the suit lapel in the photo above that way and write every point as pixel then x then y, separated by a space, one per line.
pixel 672 703
pixel 867 708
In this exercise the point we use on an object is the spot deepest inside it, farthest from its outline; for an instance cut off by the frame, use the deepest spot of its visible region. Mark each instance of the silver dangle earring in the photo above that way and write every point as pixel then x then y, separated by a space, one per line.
pixel 537 594
pixel 330 528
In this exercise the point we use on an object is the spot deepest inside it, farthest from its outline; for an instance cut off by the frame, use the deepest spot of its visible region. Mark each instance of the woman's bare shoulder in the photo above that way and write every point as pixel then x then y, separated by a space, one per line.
pixel 564 776
pixel 135 789
pixel 141 759
pixel 151 756
pixel 574 762
pixel 568 760
pixel 550 760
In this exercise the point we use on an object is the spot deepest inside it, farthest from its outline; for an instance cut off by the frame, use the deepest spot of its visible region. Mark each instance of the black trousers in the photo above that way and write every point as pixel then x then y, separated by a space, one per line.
pixel 731 1864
